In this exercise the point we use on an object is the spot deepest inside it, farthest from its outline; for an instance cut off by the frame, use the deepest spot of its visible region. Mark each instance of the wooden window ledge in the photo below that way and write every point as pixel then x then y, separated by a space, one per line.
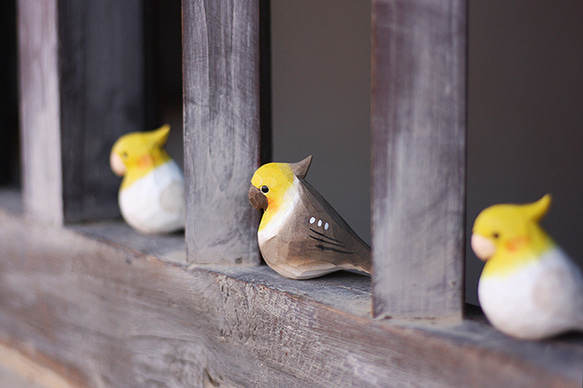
pixel 111 307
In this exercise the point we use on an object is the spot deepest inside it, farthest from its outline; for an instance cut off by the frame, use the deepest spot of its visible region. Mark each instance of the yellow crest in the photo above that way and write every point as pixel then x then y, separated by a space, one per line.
pixel 509 235
pixel 135 154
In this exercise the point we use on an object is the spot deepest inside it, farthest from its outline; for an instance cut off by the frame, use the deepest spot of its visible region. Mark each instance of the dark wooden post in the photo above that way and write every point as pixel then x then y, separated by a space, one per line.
pixel 418 153
pixel 221 128
pixel 81 86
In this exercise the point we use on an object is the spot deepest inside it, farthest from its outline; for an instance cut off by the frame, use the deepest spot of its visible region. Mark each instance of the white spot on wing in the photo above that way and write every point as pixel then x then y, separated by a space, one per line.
pixel 326 226
pixel 319 222
pixel 312 220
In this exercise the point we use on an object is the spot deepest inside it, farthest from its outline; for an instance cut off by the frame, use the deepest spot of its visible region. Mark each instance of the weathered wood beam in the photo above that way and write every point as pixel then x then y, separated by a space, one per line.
pixel 221 128
pixel 418 155
pixel 112 316
pixel 82 86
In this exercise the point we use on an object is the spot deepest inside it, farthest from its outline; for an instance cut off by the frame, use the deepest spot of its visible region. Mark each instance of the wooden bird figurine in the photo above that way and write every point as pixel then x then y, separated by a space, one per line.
pixel 151 195
pixel 300 235
pixel 529 287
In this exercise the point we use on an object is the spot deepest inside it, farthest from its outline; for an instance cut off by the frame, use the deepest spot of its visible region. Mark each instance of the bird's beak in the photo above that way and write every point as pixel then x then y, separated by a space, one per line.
pixel 117 165
pixel 257 199
pixel 483 248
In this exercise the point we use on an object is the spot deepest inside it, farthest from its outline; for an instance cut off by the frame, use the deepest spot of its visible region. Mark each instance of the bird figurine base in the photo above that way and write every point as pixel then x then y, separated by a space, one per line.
pixel 151 195
pixel 529 288
pixel 300 235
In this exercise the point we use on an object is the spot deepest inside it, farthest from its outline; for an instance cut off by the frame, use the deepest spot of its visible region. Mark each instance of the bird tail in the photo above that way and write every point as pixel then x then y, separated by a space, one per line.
pixel 363 263
pixel 365 267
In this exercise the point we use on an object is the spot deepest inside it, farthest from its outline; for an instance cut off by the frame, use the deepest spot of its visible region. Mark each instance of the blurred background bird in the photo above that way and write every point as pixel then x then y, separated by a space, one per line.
pixel 529 287
pixel 151 195
pixel 300 235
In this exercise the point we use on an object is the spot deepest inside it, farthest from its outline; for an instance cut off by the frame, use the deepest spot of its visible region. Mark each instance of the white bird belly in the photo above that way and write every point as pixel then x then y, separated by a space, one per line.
pixel 155 203
pixel 537 301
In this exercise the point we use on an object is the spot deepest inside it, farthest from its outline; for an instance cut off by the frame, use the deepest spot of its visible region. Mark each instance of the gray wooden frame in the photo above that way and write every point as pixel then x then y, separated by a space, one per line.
pixel 418 158
pixel 101 305
pixel 221 128
pixel 81 86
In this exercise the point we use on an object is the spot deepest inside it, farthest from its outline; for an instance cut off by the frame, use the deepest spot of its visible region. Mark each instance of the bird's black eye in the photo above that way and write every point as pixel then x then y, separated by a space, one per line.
pixel 264 189
pixel 495 235
pixel 124 155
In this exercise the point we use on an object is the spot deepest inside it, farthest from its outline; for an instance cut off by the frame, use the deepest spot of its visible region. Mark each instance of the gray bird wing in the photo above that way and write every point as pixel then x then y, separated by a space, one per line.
pixel 315 241
pixel 339 236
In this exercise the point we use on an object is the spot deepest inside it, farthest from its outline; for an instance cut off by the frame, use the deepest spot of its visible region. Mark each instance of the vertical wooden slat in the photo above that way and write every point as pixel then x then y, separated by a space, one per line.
pixel 82 86
pixel 221 128
pixel 418 153
pixel 39 109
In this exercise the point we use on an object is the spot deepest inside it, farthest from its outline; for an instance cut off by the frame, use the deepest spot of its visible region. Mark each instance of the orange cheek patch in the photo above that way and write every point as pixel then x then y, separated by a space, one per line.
pixel 517 244
pixel 272 206
pixel 146 161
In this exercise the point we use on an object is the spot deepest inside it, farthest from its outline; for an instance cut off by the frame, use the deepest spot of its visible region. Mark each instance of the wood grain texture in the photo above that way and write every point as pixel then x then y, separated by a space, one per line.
pixel 82 86
pixel 114 317
pixel 418 153
pixel 221 122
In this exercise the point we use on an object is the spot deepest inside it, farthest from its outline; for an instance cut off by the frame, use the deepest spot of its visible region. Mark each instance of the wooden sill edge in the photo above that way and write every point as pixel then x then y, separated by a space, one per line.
pixel 562 357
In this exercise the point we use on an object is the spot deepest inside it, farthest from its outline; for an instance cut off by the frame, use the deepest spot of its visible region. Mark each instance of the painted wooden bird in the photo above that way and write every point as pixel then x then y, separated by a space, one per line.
pixel 300 235
pixel 151 195
pixel 529 287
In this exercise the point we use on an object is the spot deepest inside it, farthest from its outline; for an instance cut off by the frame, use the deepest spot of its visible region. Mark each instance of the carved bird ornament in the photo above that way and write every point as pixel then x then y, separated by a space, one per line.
pixel 300 235
pixel 151 195
pixel 529 287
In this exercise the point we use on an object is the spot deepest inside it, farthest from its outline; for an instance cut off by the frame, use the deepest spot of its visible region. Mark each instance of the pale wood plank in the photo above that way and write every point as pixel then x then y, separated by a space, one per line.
pixel 418 153
pixel 39 109
pixel 221 122
pixel 82 86
pixel 18 370
pixel 114 316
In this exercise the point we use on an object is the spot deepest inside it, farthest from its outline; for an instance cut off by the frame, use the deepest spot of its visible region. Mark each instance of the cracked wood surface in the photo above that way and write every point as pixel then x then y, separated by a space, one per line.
pixel 117 317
